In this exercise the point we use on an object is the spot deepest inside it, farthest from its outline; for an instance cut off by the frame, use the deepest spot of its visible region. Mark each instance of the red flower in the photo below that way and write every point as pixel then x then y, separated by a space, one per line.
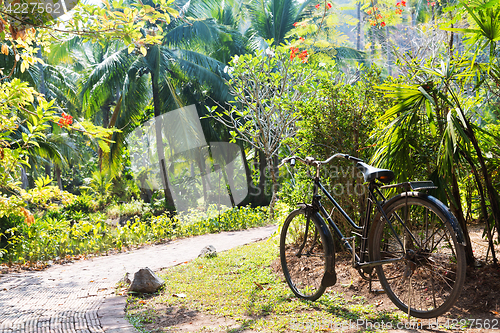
pixel 399 11
pixel 317 6
pixel 293 53
pixel 382 24
pixel 65 120
pixel 433 4
pixel 301 39
pixel 329 5
pixel 369 11
pixel 379 16
pixel 303 56
pixel 372 22
pixel 375 8
pixel 398 4
pixel 296 24
pixel 403 2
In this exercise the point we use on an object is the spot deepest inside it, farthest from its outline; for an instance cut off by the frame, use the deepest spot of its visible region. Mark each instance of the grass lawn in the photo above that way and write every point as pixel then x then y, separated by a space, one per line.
pixel 239 291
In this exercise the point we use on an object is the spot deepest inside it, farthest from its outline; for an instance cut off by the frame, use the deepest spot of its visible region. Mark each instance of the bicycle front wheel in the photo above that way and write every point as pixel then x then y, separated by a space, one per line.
pixel 422 233
pixel 303 255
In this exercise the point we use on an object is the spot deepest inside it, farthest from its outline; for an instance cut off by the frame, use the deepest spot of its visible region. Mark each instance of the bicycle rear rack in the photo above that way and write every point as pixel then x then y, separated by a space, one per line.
pixel 413 186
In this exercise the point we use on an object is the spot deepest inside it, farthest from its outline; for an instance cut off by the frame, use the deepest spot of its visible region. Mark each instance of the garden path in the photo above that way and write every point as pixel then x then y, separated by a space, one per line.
pixel 79 297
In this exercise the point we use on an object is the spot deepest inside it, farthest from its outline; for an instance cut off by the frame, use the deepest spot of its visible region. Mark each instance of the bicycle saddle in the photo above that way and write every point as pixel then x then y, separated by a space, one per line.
pixel 371 173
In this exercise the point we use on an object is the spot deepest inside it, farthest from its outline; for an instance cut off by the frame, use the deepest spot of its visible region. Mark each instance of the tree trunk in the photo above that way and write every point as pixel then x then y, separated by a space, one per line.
pixel 24 179
pixel 203 172
pixel 458 212
pixel 48 169
pixel 274 186
pixel 105 123
pixel 248 172
pixel 57 171
pixel 492 194
pixel 358 28
pixel 41 84
pixel 373 40
pixel 262 177
pixel 169 200
pixel 388 50
pixel 484 208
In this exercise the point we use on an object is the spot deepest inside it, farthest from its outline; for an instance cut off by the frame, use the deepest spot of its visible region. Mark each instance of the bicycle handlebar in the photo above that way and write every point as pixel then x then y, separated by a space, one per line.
pixel 312 161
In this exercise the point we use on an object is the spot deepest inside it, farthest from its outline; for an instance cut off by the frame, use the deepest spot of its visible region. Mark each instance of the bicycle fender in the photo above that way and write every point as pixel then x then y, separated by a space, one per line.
pixel 330 277
pixel 453 220
pixel 444 209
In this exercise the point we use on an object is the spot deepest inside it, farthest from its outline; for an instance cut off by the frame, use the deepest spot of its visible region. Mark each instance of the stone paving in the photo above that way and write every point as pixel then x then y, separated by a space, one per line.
pixel 79 297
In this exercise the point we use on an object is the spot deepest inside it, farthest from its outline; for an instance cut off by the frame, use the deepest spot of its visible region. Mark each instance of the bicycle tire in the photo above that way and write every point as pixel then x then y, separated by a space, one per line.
pixel 430 278
pixel 304 255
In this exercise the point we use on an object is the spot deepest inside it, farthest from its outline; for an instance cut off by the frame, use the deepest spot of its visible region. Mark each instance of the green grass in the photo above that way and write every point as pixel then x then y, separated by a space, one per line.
pixel 240 285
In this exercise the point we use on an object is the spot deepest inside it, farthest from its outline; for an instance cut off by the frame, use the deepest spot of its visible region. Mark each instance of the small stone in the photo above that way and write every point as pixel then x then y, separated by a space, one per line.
pixel 145 281
pixel 208 252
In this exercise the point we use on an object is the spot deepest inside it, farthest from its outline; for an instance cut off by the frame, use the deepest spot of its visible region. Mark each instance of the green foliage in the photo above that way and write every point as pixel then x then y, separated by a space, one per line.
pixel 132 208
pixel 296 190
pixel 99 185
pixel 83 203
pixel 45 196
pixel 341 119
pixel 78 232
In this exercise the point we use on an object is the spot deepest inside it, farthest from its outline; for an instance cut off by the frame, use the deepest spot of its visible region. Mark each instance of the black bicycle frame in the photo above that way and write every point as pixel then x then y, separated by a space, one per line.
pixel 358 262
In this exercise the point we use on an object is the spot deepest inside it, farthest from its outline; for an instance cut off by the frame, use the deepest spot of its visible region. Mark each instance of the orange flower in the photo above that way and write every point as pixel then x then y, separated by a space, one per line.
pixel 65 120
pixel 28 218
pixel 5 49
pixel 303 56
pixel 399 11
pixel 369 11
pixel 379 16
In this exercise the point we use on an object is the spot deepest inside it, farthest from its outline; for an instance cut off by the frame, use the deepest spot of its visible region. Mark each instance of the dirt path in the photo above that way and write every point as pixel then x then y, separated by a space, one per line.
pixel 79 297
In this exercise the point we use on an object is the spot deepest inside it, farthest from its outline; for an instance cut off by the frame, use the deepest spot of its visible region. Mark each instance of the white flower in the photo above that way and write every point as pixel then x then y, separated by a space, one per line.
pixel 269 52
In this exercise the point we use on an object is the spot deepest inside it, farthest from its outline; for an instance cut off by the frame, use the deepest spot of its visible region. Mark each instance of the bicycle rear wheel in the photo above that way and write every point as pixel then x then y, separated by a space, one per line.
pixel 431 274
pixel 303 255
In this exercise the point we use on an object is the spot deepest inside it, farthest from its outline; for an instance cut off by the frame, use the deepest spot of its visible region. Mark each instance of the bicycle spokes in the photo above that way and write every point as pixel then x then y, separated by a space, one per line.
pixel 425 281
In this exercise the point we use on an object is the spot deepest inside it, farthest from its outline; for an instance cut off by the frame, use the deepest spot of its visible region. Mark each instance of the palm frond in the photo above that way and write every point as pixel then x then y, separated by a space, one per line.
pixel 105 79
pixel 206 30
pixel 206 70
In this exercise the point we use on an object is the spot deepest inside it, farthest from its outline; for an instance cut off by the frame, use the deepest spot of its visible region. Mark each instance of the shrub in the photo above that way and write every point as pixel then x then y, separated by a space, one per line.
pixel 79 233
pixel 133 208
pixel 83 203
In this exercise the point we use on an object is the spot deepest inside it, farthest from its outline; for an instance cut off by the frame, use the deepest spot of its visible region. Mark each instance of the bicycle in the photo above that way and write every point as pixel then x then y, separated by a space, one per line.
pixel 414 243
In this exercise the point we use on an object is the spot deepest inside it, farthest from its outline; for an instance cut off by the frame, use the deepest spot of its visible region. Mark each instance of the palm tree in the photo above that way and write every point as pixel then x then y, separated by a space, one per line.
pixel 121 79
pixel 434 121
pixel 273 19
